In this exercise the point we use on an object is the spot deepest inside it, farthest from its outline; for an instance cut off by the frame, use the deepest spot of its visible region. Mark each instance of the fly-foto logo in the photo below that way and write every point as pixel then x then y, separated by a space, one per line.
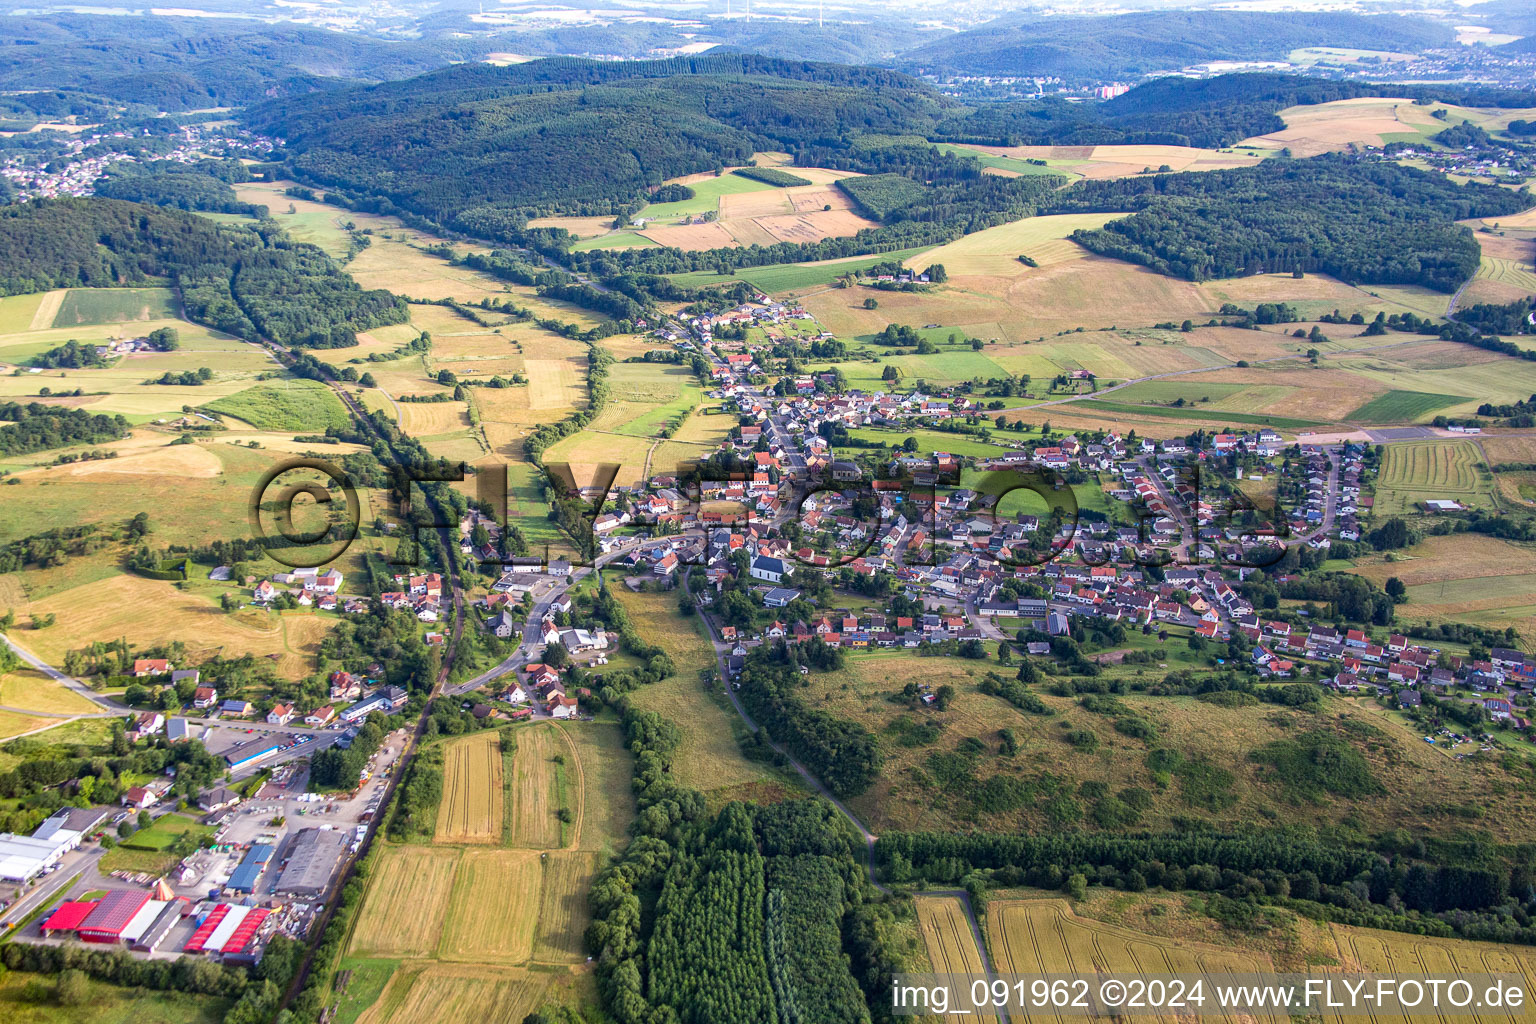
pixel 920 516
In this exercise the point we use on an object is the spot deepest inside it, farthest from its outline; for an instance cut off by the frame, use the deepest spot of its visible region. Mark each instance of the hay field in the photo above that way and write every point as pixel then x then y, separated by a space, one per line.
pixel 602 767
pixel 31 690
pixel 1367 121
pixel 14 723
pixel 1119 161
pixel 563 914
pixel 995 251
pixel 407 899
pixel 17 312
pixel 581 227
pixel 471 810
pixel 709 757
pixel 425 419
pixel 536 788
pixel 1459 557
pixel 493 912
pixel 692 237
pixel 452 994
pixel 1448 372
pixel 114 607
pixel 555 384
pixel 1415 471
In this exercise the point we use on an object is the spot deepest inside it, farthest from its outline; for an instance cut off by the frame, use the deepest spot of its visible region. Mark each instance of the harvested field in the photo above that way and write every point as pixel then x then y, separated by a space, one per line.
pixel 1455 557
pixel 536 789
pixel 471 809
pixel 555 384
pixel 115 607
pixel 181 460
pixel 425 419
pixel 947 933
pixel 581 227
pixel 47 309
pixel 1045 937
pixel 692 237
pixel 1328 127
pixel 813 227
pixel 747 205
pixel 493 912
pixel 563 915
pixel 1509 448
pixel 407 898
pixel 452 994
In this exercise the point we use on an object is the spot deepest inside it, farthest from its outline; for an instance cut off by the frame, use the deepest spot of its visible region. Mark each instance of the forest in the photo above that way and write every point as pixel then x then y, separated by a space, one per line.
pixel 756 913
pixel 1363 222
pixel 573 136
pixel 254 283
pixel 35 427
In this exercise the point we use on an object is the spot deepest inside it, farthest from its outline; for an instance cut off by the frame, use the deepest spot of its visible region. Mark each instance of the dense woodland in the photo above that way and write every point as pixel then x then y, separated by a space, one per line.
pixel 254 283
pixel 36 427
pixel 1363 222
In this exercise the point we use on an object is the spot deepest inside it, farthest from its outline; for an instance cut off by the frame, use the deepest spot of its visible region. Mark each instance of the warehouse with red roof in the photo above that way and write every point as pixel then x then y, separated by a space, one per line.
pixel 112 915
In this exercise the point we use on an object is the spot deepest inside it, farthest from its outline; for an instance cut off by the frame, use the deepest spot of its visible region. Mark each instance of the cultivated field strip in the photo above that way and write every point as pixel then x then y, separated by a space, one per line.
pixel 451 994
pixel 471 810
pixel 535 789
pixel 948 938
pixel 406 902
pixel 494 911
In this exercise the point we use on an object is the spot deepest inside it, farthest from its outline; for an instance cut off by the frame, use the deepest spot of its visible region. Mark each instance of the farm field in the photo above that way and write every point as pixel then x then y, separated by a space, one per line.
pixel 562 911
pixel 946 931
pixel 1117 161
pixel 1367 121
pixel 492 914
pixel 793 277
pixel 14 723
pixel 1041 933
pixel 602 771
pixel 1414 472
pixel 94 306
pixel 451 993
pixel 1403 407
pixel 472 807
pixel 1464 578
pixel 1044 936
pixel 408 896
pixel 538 788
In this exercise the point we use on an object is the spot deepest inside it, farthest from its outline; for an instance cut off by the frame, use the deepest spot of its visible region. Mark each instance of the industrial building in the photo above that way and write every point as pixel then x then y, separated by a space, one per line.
pixel 23 858
pixel 245 876
pixel 228 929
pixel 252 751
pixel 311 862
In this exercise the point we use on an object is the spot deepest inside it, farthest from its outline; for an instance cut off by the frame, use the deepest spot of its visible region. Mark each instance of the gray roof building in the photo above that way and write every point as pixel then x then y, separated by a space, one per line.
pixel 312 861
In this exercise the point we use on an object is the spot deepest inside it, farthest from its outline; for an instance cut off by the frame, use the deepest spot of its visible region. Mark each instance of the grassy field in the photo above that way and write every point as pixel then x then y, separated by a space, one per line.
pixel 30 689
pixel 1413 472
pixel 562 911
pixel 924 778
pixel 537 789
pixel 471 810
pixel 601 767
pixel 408 896
pixel 794 277
pixel 296 404
pixel 709 758
pixel 1403 407
pixel 165 831
pixel 92 306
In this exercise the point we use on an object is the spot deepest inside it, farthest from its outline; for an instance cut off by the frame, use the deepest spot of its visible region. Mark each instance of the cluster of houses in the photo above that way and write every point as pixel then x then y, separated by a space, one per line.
pixel 309 588
pixel 541 684
pixel 421 595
